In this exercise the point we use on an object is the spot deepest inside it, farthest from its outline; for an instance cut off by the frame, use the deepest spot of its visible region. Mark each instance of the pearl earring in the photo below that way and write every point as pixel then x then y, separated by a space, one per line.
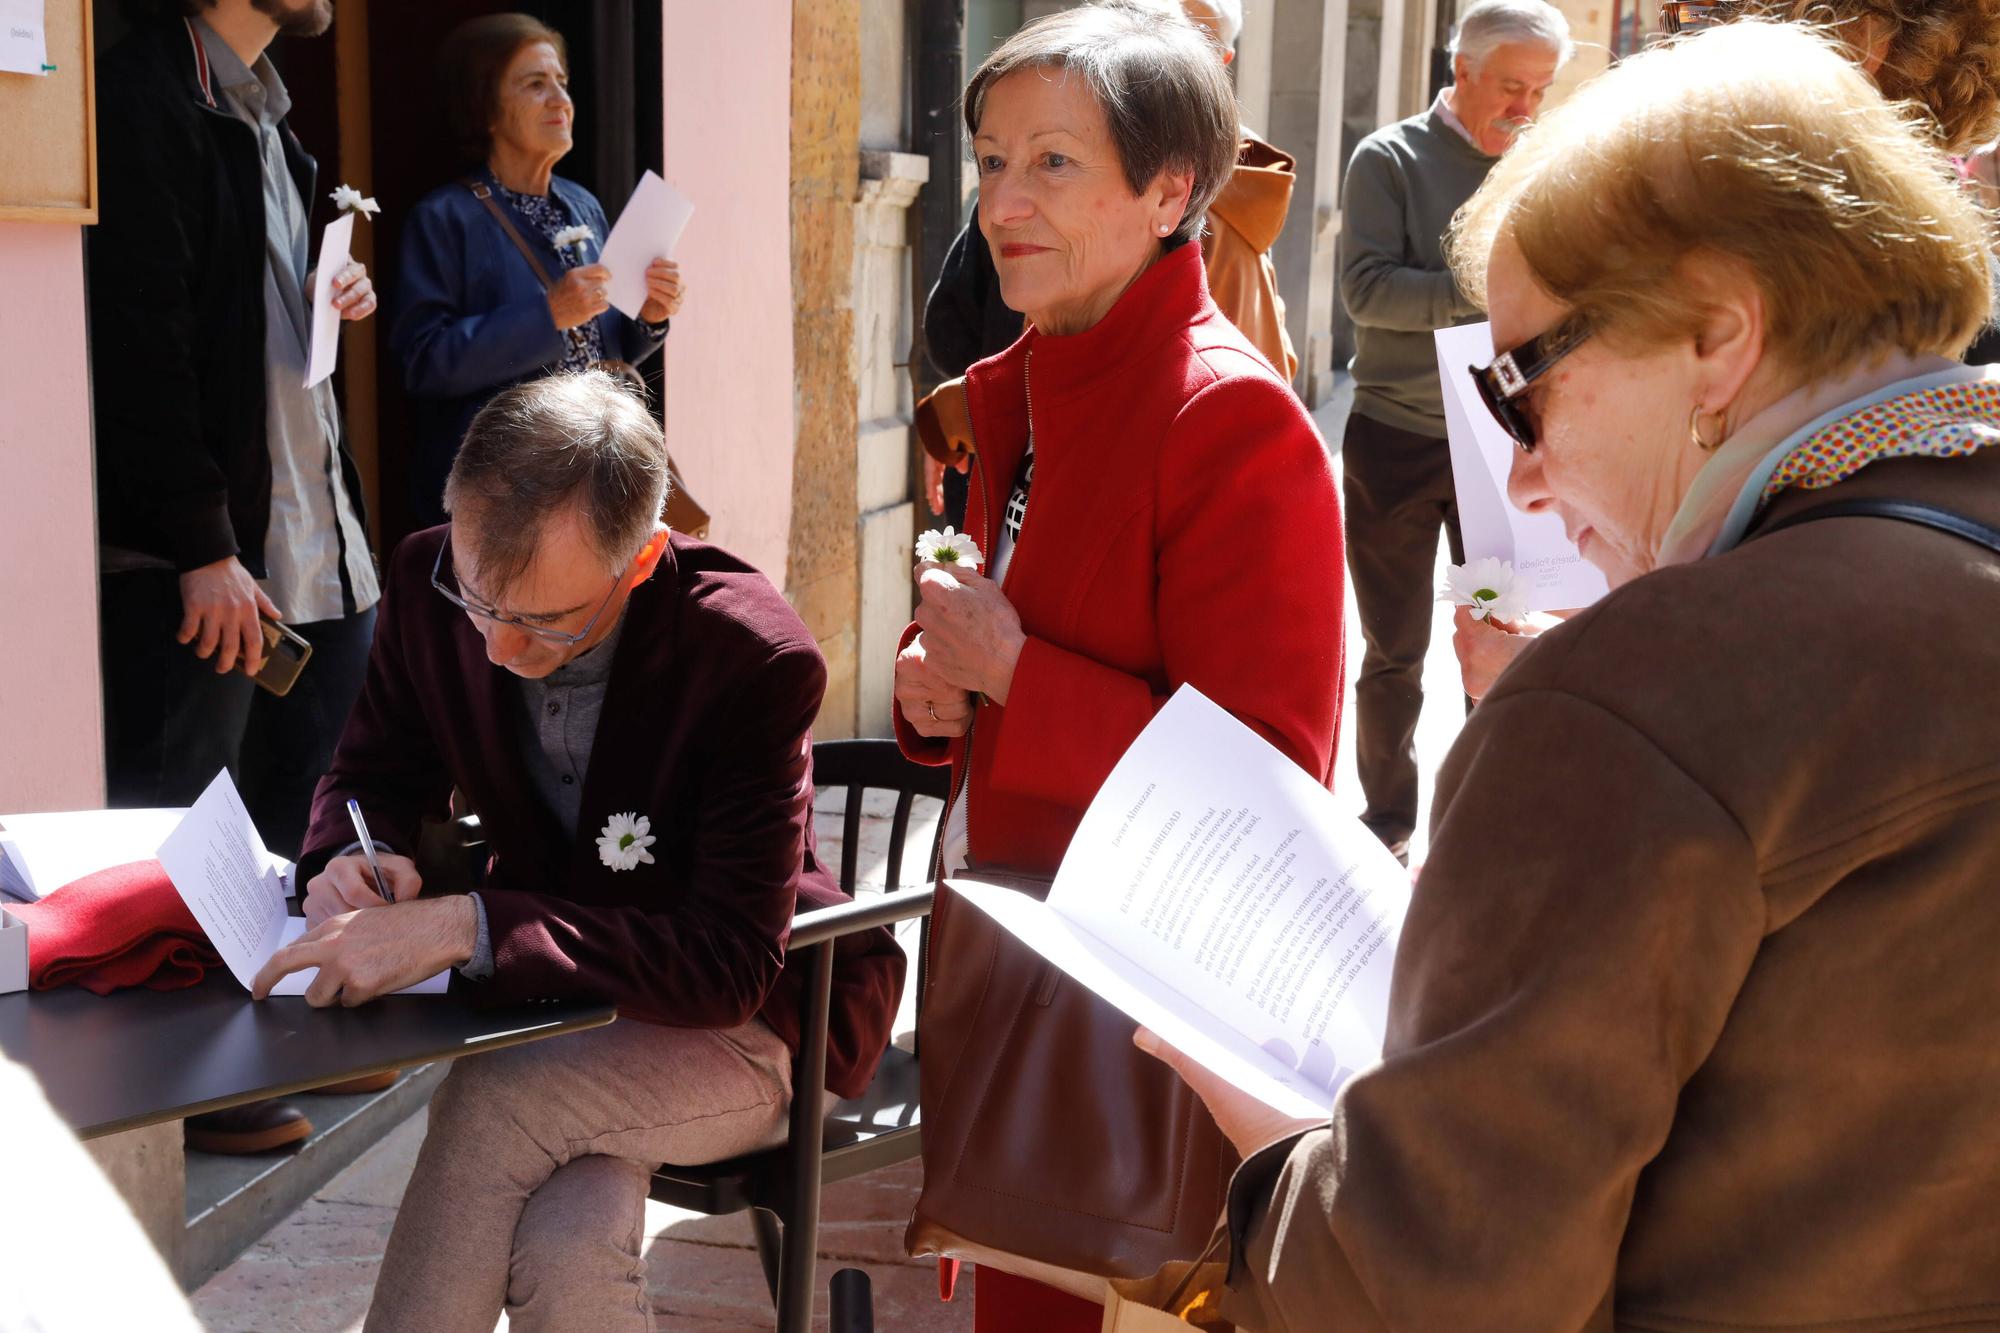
pixel 1166 227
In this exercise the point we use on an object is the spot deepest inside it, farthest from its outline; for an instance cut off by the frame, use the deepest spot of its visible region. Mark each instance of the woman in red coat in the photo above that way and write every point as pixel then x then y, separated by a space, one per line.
pixel 1153 504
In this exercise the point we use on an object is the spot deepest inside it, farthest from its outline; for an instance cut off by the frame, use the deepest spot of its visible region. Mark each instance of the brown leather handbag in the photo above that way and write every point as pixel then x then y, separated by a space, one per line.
pixel 1053 1147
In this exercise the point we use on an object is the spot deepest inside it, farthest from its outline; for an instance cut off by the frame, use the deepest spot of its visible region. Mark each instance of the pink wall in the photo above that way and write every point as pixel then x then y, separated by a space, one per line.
pixel 51 727
pixel 728 79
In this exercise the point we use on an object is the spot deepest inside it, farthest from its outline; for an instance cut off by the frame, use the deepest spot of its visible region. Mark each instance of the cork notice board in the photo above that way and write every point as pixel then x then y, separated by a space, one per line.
pixel 48 147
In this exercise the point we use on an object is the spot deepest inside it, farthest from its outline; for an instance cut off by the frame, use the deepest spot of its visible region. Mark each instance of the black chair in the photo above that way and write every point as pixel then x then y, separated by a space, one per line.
pixel 781 1186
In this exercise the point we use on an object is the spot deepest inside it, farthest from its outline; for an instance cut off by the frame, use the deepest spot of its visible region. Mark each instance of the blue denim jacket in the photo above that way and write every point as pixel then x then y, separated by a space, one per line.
pixel 471 319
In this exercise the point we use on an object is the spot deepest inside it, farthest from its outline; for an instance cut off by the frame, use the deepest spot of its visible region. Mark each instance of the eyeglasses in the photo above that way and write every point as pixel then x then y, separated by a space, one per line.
pixel 1504 384
pixel 1678 16
pixel 512 622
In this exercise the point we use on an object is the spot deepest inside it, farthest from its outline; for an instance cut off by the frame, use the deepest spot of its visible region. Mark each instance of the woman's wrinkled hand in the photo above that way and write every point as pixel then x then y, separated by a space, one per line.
pixel 1247 1122
pixel 931 706
pixel 581 296
pixel 664 291
pixel 1486 648
pixel 972 634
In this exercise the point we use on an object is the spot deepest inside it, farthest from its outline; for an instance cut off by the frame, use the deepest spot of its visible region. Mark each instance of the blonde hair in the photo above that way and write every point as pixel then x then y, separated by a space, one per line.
pixel 1756 143
pixel 1943 55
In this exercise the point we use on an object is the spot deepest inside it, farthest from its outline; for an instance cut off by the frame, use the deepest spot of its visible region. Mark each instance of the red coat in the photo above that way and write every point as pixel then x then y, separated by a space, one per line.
pixel 1183 527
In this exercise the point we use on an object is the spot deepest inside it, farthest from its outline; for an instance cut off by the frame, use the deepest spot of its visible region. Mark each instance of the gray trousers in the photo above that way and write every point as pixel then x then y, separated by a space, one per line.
pixel 530 1190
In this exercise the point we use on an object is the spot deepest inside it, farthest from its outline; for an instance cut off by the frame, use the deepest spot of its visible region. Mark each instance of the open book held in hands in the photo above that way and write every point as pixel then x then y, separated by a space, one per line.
pixel 1215 893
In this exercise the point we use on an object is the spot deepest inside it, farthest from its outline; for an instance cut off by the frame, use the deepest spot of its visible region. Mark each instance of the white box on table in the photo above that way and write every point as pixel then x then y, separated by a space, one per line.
pixel 13 953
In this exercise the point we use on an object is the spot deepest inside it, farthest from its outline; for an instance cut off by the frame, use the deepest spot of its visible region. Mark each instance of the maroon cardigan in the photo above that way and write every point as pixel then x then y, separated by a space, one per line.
pixel 706 729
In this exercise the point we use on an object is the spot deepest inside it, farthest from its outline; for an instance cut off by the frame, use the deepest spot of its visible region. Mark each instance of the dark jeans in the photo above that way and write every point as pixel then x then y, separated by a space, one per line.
pixel 1398 492
pixel 171 721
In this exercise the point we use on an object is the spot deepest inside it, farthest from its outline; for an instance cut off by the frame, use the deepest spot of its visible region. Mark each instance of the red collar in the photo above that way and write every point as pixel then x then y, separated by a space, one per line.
pixel 202 74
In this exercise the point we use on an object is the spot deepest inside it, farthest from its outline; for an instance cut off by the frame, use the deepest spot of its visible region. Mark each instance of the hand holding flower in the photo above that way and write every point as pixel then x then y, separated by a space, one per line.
pixel 972 634
pixel 354 293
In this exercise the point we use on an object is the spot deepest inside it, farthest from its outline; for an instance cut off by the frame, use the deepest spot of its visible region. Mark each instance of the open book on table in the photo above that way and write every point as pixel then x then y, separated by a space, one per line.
pixel 1217 894
pixel 214 857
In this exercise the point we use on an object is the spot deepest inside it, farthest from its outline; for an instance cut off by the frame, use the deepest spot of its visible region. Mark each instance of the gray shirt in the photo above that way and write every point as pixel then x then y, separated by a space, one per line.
pixel 1403 185
pixel 559 715
pixel 315 549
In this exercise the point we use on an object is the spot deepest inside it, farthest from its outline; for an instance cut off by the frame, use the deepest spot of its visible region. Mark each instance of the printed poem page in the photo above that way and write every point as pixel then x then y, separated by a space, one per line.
pixel 1216 864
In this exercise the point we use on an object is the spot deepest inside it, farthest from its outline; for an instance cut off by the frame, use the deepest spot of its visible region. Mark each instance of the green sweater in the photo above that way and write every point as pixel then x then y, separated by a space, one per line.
pixel 1404 184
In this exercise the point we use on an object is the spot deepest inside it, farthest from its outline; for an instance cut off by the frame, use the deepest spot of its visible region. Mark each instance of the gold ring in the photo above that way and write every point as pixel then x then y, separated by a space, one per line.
pixel 931 708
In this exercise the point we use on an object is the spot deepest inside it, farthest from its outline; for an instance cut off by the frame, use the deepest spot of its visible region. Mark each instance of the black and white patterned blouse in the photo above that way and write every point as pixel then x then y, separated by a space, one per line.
pixel 583 346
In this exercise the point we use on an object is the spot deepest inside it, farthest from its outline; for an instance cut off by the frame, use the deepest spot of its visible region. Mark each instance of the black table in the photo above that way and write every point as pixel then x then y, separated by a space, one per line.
pixel 139 1057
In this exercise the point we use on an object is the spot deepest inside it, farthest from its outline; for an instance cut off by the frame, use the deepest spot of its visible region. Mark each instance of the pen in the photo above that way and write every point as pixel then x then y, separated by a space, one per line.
pixel 368 849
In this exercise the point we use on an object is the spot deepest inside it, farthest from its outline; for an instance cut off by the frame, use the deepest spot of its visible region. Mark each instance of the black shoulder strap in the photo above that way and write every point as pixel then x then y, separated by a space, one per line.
pixel 485 196
pixel 1906 511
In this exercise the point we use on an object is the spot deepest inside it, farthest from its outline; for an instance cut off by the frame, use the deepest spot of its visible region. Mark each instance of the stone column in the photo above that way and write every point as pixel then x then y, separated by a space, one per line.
pixel 822 578
pixel 1308 65
pixel 884 304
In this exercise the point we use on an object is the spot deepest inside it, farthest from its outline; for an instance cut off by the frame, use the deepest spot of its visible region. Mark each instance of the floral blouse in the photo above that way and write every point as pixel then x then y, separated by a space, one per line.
pixel 583 346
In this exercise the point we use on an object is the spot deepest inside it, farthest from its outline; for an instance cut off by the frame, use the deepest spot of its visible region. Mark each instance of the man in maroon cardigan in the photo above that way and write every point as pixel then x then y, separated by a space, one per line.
pixel 629 713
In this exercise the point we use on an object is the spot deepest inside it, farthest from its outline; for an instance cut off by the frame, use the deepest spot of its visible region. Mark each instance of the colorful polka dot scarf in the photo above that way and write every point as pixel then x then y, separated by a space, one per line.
pixel 1949 421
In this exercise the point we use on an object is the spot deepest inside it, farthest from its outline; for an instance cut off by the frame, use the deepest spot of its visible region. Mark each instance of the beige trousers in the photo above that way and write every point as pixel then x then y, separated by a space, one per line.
pixel 530 1190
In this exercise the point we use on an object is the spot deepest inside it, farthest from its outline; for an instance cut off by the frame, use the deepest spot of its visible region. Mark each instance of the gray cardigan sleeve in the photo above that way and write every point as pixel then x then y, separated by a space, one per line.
pixel 1381 289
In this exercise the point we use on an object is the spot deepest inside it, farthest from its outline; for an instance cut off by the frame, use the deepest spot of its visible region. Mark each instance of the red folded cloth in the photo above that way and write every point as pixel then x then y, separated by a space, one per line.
pixel 125 926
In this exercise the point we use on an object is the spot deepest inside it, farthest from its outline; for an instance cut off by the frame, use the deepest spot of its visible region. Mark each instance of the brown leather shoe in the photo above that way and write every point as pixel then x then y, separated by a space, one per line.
pixel 252 1127
pixel 366 1083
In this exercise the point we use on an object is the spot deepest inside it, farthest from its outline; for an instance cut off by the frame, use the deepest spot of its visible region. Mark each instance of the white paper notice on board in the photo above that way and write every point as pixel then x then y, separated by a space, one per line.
pixel 24 37
pixel 649 228
pixel 1216 893
pixel 336 248
pixel 1547 567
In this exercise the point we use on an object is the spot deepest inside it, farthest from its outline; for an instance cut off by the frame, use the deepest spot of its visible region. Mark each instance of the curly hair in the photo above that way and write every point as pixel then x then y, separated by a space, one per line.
pixel 1943 55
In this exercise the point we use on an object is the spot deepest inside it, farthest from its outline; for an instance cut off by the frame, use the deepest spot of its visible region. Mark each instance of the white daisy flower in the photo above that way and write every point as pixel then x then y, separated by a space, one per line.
pixel 623 844
pixel 948 548
pixel 349 200
pixel 1487 586
pixel 577 237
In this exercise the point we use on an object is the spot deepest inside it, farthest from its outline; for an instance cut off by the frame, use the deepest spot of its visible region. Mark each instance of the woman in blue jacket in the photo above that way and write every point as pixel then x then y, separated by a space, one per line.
pixel 498 282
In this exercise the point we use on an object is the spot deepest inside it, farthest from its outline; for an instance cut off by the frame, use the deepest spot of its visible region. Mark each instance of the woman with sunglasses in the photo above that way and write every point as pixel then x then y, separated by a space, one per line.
pixel 1696 1022
pixel 1941 55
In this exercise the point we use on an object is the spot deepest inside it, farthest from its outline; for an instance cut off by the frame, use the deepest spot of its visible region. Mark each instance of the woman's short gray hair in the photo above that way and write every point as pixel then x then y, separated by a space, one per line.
pixel 1162 88
pixel 1489 24
pixel 582 440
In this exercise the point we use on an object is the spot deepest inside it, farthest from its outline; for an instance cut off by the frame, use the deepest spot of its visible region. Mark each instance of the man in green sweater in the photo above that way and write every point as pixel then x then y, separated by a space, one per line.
pixel 1404 184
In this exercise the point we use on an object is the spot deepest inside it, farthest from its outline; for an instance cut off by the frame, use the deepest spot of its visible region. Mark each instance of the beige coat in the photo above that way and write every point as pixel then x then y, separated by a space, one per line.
pixel 1696 1020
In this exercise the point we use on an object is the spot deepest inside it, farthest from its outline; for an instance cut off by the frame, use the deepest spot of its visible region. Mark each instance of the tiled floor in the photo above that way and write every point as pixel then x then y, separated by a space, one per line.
pixel 313 1273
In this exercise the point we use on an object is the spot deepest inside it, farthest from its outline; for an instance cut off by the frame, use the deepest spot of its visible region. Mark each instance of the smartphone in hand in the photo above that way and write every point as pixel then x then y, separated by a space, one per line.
pixel 285 656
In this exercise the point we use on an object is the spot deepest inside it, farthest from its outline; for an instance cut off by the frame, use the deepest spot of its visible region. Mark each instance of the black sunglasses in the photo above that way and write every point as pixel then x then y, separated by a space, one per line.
pixel 1678 16
pixel 1504 384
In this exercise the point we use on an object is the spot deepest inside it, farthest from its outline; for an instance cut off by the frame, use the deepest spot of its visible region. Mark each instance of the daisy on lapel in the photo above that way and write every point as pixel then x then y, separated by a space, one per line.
pixel 623 844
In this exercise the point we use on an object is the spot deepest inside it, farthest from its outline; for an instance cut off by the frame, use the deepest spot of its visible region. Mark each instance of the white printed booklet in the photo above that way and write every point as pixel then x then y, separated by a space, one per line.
pixel 1217 894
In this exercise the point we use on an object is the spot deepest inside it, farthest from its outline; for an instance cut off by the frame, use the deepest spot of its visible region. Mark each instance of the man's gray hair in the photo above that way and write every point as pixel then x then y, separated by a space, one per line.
pixel 1489 24
pixel 1164 94
pixel 568 440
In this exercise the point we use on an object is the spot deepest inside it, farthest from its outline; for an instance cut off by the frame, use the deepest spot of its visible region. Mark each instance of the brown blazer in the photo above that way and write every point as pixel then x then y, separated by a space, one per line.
pixel 706 730
pixel 1696 1015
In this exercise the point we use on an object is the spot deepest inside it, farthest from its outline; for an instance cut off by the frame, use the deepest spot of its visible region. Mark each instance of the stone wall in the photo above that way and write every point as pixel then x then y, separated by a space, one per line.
pixel 822 571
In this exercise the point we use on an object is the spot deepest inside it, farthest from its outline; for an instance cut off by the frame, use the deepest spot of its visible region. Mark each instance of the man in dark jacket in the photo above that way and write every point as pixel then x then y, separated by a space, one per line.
pixel 629 712
pixel 223 492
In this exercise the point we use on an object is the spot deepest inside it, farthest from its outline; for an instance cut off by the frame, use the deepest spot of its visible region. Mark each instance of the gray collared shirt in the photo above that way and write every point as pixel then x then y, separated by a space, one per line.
pixel 315 549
